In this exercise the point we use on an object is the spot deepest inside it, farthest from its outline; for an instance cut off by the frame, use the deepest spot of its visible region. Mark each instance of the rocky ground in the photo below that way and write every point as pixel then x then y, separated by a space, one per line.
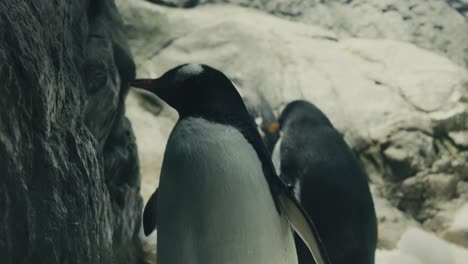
pixel 390 74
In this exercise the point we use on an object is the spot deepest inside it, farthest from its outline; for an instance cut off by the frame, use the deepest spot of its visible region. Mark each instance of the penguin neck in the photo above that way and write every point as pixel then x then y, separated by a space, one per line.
pixel 231 118
pixel 240 120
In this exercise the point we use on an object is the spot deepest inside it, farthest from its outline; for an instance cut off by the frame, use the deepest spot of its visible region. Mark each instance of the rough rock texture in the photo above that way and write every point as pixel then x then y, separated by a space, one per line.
pixel 69 191
pixel 392 223
pixel 437 25
pixel 421 247
pixel 402 108
pixel 458 230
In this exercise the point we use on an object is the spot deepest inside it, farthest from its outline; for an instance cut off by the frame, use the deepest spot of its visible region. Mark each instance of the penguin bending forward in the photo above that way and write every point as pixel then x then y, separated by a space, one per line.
pixel 328 180
pixel 219 198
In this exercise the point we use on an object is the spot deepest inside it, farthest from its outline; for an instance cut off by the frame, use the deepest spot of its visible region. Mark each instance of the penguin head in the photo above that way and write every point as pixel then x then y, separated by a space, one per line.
pixel 302 112
pixel 194 90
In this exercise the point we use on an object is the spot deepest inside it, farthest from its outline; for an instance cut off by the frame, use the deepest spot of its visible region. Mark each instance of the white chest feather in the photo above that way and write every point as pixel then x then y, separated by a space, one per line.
pixel 214 204
pixel 276 156
pixel 276 159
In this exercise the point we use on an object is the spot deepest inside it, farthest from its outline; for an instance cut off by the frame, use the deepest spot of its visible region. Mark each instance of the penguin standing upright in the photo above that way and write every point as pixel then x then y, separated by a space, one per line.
pixel 219 198
pixel 328 180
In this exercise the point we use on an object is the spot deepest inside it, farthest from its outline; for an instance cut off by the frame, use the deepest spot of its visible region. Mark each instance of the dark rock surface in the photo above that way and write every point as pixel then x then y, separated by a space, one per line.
pixel 69 185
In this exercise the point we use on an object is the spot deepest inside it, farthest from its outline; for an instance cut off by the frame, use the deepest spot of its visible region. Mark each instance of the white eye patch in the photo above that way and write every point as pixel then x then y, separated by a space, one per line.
pixel 259 121
pixel 187 71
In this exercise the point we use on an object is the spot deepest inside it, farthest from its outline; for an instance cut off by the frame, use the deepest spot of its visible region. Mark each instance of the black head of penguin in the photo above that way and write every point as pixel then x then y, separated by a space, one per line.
pixel 201 91
pixel 296 118
pixel 197 91
pixel 300 111
pixel 204 92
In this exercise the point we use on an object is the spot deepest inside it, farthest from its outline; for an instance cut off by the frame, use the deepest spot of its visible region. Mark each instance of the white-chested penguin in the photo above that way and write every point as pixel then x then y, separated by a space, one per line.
pixel 219 198
pixel 330 183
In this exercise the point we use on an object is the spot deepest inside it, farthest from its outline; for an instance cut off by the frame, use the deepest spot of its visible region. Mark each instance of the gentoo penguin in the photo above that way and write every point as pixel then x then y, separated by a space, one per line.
pixel 219 198
pixel 262 114
pixel 328 180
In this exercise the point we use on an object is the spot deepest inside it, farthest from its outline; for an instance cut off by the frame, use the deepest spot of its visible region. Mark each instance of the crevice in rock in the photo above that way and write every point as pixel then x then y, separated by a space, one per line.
pixel 176 3
pixel 161 49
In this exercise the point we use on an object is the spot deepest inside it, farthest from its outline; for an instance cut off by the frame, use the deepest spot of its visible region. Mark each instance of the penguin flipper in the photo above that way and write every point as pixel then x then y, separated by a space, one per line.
pixel 304 227
pixel 149 214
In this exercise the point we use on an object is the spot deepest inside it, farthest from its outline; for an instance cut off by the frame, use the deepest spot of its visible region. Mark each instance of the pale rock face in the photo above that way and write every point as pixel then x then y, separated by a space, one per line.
pixel 458 230
pixel 402 108
pixel 426 247
pixel 392 257
pixel 418 246
pixel 392 223
pixel 151 132
pixel 431 24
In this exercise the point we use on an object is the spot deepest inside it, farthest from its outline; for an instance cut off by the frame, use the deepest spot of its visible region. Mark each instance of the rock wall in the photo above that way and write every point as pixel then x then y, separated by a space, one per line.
pixel 69 185
pixel 400 104
pixel 437 25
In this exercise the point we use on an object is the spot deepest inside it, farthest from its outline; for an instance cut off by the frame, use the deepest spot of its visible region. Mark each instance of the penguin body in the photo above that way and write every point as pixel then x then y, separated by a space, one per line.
pixel 215 203
pixel 219 199
pixel 328 180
